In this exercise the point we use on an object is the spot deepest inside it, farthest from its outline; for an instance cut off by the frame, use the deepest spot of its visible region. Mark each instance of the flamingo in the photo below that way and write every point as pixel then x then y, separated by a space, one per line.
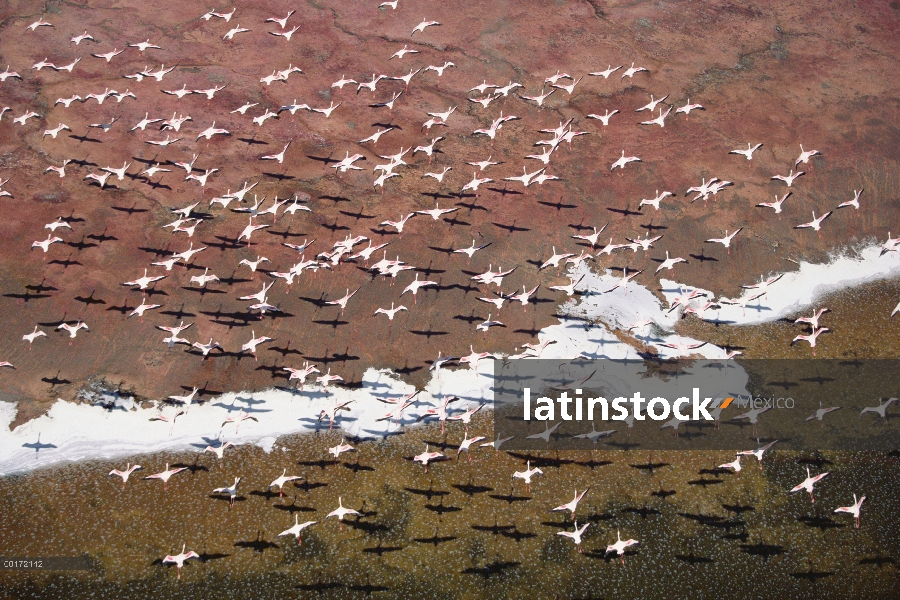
pixel 253 343
pixel 527 474
pixel 220 451
pixel 748 152
pixel 609 71
pixel 620 546
pixel 441 411
pixel 165 475
pixel 129 469
pixel 571 506
pixel 805 155
pixel 815 224
pixel 545 435
pixel 854 203
pixel 726 241
pixel 427 457
pixel 185 399
pixel 811 338
pixel 554 260
pixel 467 441
pixel 758 453
pixel 342 302
pixel 808 483
pixel 777 204
pixel 575 536
pixel 854 509
pixel 297 528
pixel 497 443
pixel 466 417
pixel 735 464
pixel 669 262
pixel 30 337
pixel 280 481
pixel 390 312
pixel 340 512
pixel 162 417
pixel 789 178
pixel 301 374
pixel 881 409
pixel 231 491
pixel 332 411
pixel 179 559
pixel 340 448
pixel 415 285
pixel 821 412
pixel 327 378
pixel 241 416
pixel 753 416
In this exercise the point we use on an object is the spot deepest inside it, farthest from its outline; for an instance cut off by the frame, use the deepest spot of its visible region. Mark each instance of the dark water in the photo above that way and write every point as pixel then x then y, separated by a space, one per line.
pixel 462 530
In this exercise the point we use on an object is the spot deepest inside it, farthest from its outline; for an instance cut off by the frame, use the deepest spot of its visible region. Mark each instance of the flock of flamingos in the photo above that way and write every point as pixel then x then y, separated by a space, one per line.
pixel 249 229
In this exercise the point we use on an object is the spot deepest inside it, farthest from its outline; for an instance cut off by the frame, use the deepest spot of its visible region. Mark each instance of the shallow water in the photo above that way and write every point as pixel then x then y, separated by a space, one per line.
pixel 464 529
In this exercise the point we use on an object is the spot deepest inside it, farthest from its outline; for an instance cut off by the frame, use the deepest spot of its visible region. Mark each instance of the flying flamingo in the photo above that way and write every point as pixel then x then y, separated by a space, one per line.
pixel 340 512
pixel 241 416
pixel 165 475
pixel 336 451
pixel 129 469
pixel 758 453
pixel 821 412
pixel 466 417
pixel 220 451
pixel 467 441
pixel 544 435
pixel 162 417
pixel 179 559
pixel 571 506
pixel 231 491
pixel 575 536
pixel 415 285
pixel 441 411
pixel 332 411
pixel 527 474
pixel 301 374
pixel 753 416
pixel 253 343
pixel 297 528
pixel 735 464
pixel 808 483
pixel 342 302
pixel 853 510
pixel 280 481
pixel 620 546
pixel 427 457
pixel 881 409
pixel 811 338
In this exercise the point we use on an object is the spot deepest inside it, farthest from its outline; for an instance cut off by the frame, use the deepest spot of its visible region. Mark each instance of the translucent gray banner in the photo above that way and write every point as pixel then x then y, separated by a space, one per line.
pixel 697 404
